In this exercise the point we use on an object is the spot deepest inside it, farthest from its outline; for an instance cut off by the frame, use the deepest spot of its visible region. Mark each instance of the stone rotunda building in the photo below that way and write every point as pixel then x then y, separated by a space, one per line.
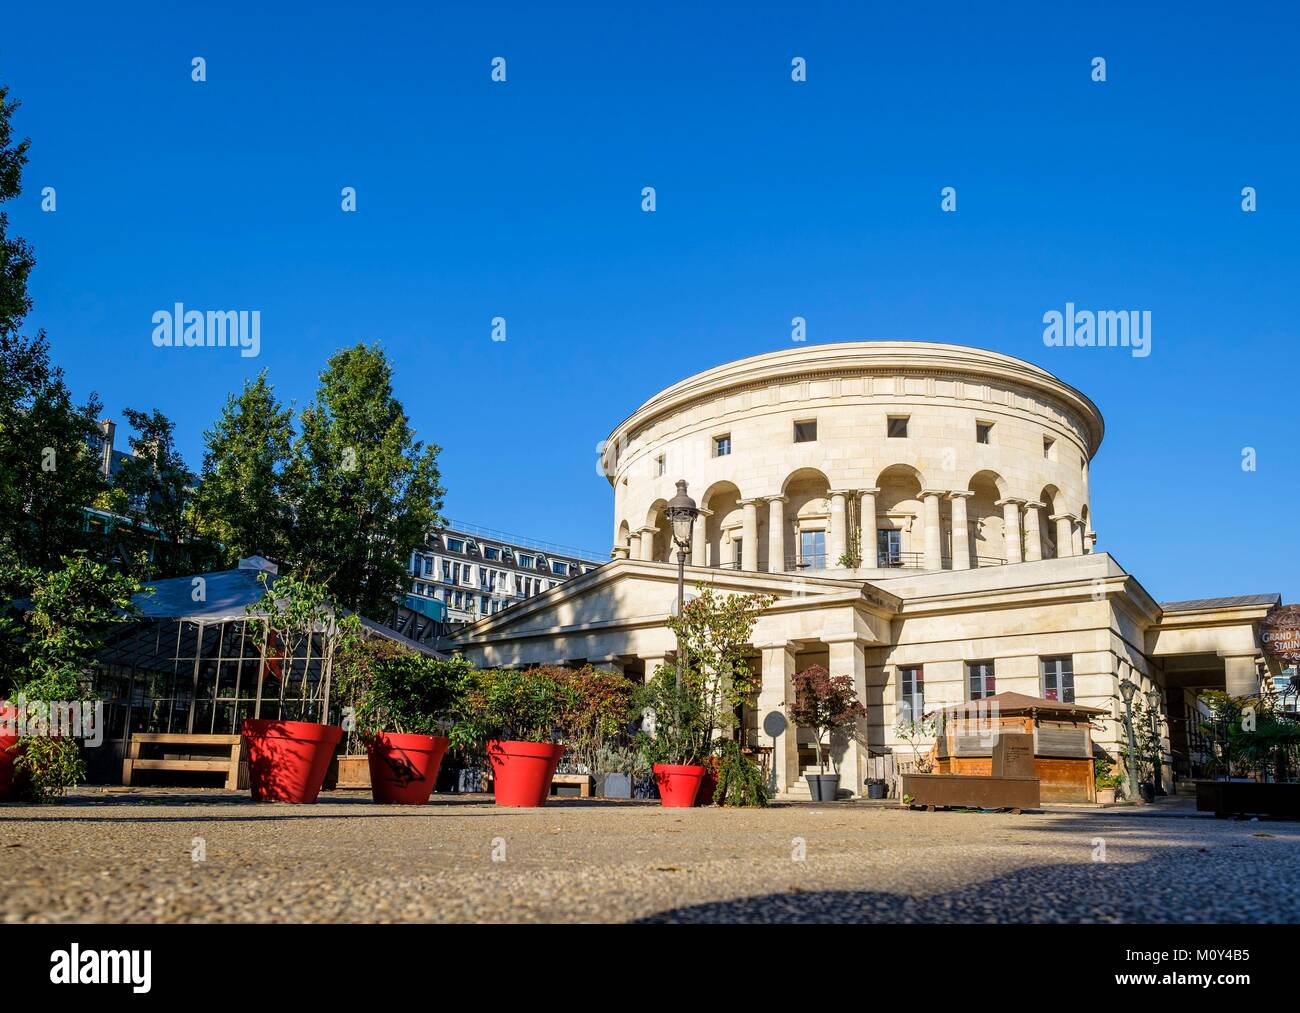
pixel 921 513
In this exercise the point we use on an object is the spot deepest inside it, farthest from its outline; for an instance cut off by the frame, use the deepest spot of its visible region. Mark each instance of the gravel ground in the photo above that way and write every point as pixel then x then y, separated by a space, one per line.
pixel 131 858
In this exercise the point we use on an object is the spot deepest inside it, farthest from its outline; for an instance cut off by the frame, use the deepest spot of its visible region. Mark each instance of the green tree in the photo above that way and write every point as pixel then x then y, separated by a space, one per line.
pixel 363 490
pixel 241 498
pixel 156 489
pixel 15 255
pixel 48 467
pixel 51 646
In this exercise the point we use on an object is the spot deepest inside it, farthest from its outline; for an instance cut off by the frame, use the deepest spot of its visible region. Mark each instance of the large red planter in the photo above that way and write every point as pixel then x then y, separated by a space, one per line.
pixel 11 781
pixel 287 760
pixel 708 785
pixel 404 767
pixel 522 771
pixel 678 783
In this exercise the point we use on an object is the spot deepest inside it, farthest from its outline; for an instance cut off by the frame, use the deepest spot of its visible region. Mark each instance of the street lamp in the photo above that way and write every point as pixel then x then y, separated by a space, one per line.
pixel 1153 708
pixel 1127 688
pixel 681 513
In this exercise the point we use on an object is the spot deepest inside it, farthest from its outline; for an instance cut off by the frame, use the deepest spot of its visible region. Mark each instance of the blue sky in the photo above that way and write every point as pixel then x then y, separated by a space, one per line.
pixel 775 199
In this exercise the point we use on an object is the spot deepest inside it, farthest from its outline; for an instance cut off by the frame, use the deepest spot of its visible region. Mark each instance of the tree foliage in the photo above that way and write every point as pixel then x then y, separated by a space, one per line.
pixel 242 504
pixel 363 490
pixel 826 703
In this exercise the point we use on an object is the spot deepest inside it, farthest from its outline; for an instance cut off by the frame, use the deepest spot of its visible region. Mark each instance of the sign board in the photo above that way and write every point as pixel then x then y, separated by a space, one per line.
pixel 1279 634
pixel 1013 755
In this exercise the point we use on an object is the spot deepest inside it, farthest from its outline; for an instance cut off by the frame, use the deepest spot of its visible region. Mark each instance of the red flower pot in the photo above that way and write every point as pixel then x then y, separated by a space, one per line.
pixel 678 783
pixel 708 785
pixel 404 767
pixel 11 781
pixel 522 771
pixel 287 760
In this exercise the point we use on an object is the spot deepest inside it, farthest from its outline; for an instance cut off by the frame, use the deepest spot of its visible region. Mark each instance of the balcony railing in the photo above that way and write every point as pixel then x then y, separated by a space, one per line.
pixel 884 561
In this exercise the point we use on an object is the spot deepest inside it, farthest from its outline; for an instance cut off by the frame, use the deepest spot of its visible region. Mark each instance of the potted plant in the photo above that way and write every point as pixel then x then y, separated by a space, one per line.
pixel 600 714
pixel 1107 781
pixel 518 714
pixel 675 737
pixel 828 705
pixel 401 702
pixel 301 634
pixel 617 769
pixel 694 706
pixel 738 780
pixel 877 788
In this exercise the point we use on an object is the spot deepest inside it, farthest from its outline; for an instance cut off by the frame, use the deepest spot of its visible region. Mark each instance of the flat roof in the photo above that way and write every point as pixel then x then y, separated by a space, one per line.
pixel 1233 601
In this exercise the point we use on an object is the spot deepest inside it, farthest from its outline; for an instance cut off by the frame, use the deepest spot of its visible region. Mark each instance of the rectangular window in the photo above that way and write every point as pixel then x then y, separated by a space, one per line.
pixel 979 679
pixel 484 604
pixel 898 427
pixel 737 551
pixel 428 566
pixel 446 570
pixel 491 552
pixel 889 547
pixel 812 550
pixel 722 445
pixel 661 466
pixel 984 432
pixel 1049 448
pixel 805 432
pixel 1058 679
pixel 526 562
pixel 911 694
pixel 561 568
pixel 456 544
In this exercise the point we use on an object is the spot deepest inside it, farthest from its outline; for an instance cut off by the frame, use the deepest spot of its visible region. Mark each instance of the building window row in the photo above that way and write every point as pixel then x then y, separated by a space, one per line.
pixel 1056 682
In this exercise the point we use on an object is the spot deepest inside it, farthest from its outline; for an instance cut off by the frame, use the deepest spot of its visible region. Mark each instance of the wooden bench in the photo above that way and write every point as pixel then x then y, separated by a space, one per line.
pixel 583 782
pixel 217 754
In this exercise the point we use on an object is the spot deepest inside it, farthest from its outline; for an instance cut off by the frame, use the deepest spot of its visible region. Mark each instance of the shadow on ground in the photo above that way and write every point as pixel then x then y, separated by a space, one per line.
pixel 1207 885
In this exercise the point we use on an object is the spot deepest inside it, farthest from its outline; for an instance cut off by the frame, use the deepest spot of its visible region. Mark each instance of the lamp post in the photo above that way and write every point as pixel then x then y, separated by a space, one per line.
pixel 1127 688
pixel 681 513
pixel 1153 707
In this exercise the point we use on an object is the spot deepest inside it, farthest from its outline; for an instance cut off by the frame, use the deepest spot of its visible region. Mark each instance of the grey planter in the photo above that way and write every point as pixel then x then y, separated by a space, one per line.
pixel 614 786
pixel 877 789
pixel 822 787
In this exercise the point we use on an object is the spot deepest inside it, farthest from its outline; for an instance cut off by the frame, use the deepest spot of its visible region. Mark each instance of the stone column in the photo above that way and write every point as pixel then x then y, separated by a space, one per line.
pixel 960 531
pixel 1241 677
pixel 652 662
pixel 1033 531
pixel 648 543
pixel 837 544
pixel 1011 528
pixel 700 539
pixel 619 552
pixel 749 535
pixel 776 691
pixel 776 534
pixel 933 531
pixel 1064 534
pixel 847 658
pixel 867 528
pixel 1076 539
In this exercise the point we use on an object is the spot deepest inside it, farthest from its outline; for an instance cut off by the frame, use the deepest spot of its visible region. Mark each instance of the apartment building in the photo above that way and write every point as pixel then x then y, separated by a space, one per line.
pixel 465 572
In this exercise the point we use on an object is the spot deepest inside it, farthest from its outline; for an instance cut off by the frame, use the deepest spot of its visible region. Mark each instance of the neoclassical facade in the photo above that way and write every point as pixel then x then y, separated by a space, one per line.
pixel 863 456
pixel 920 514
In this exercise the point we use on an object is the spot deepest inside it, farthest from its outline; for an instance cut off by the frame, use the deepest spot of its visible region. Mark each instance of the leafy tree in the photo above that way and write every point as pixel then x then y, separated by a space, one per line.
pixel 15 255
pixel 241 499
pixel 48 469
pixel 156 489
pixel 825 703
pixel 364 491
pixel 70 614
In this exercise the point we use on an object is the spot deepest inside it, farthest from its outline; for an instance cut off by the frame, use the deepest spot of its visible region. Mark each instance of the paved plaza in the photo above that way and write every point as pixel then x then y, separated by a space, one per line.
pixel 156 855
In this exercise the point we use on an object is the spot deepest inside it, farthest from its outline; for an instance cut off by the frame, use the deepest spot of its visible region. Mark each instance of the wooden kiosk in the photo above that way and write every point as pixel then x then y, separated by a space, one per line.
pixel 1062 741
